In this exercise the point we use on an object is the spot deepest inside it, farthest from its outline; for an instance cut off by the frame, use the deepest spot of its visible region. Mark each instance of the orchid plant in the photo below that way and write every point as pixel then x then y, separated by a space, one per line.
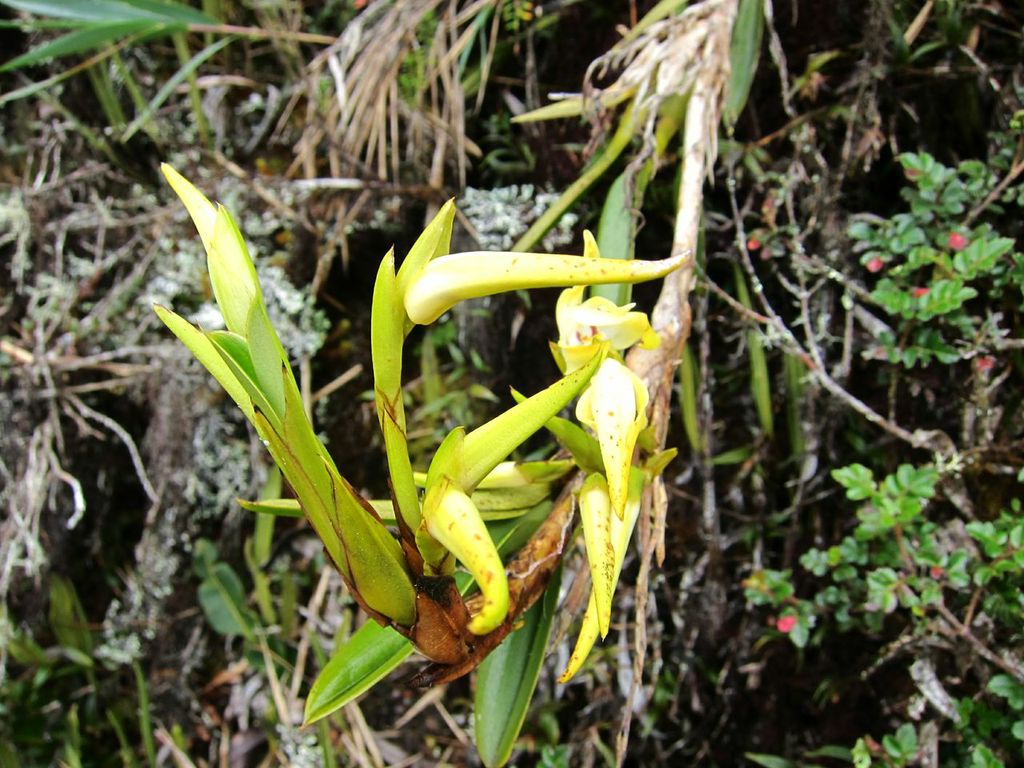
pixel 399 557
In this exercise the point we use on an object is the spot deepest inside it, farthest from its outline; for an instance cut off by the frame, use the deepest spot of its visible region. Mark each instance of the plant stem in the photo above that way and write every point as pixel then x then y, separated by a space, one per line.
pixel 615 146
pixel 181 48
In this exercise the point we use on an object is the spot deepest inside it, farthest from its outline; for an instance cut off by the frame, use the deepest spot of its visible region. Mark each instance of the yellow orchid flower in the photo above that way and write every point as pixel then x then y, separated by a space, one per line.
pixel 446 280
pixel 615 407
pixel 620 532
pixel 596 516
pixel 583 325
pixel 452 519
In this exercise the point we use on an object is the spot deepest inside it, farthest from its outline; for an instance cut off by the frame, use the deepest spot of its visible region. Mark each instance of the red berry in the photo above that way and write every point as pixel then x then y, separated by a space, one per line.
pixel 985 363
pixel 785 624
pixel 753 244
pixel 957 241
pixel 875 265
pixel 936 571
pixel 917 293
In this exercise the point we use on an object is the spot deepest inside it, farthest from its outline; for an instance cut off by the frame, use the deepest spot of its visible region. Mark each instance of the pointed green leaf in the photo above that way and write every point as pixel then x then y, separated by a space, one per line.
pixel 615 235
pixel 226 346
pixel 85 39
pixel 492 501
pixel 744 52
pixel 688 399
pixel 488 445
pixel 506 680
pixel 67 616
pixel 574 106
pixel 586 452
pixel 387 335
pixel 760 383
pixel 207 353
pixel 110 11
pixel 377 564
pixel 365 659
pixel 232 274
pixel 435 240
pixel 275 507
pixel 264 349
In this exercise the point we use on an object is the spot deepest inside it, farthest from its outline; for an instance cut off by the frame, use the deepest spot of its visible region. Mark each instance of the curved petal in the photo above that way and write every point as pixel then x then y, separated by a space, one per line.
pixel 622 531
pixel 447 280
pixel 454 521
pixel 614 406
pixel 596 516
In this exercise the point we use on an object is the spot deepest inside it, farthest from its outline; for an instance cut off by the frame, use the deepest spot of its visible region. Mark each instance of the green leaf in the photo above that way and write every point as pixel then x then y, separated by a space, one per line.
pixel 206 351
pixel 365 659
pixel 110 11
pixel 488 445
pixel 688 399
pixel 744 52
pixel 222 599
pixel 506 680
pixel 85 39
pixel 574 106
pixel 857 479
pixel 760 387
pixel 584 447
pixel 276 507
pixel 264 349
pixel 769 761
pixel 615 237
pixel 387 334
pixel 173 82
pixel 67 617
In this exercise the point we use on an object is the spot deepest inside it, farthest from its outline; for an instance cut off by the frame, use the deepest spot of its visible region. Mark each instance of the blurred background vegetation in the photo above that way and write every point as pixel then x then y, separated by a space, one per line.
pixel 843 556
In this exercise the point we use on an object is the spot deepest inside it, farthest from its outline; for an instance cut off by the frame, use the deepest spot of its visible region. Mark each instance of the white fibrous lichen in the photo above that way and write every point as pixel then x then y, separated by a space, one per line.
pixel 222 465
pixel 301 326
pixel 299 747
pixel 16 227
pixel 293 313
pixel 133 619
pixel 501 215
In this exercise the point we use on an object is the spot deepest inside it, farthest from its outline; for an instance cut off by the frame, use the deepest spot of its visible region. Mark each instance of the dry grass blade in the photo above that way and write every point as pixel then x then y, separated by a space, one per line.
pixel 668 58
pixel 379 105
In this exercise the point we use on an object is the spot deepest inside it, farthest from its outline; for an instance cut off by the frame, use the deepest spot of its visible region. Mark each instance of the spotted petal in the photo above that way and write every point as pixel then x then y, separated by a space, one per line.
pixel 615 407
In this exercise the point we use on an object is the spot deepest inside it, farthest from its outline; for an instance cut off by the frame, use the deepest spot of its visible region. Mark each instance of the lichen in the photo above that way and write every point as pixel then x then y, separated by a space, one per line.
pixel 501 215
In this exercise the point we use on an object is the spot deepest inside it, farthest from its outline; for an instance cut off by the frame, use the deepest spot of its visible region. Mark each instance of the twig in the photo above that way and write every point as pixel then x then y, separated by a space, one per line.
pixel 124 437
pixel 959 629
pixel 334 385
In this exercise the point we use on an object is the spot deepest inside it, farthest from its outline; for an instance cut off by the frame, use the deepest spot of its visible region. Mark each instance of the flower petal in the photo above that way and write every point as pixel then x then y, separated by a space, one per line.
pixel 614 406
pixel 454 521
pixel 447 280
pixel 622 531
pixel 596 516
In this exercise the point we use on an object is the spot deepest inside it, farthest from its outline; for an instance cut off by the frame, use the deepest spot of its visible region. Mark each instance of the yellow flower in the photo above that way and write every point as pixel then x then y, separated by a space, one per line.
pixel 584 325
pixel 615 407
pixel 594 623
pixel 435 286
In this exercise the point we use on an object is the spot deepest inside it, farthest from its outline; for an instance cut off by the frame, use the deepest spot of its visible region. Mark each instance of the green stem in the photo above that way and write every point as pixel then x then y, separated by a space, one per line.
pixel 615 146
pixel 145 724
pixel 181 48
